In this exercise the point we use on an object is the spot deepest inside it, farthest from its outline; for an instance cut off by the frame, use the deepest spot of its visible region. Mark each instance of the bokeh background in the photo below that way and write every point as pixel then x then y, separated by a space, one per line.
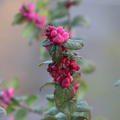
pixel 18 59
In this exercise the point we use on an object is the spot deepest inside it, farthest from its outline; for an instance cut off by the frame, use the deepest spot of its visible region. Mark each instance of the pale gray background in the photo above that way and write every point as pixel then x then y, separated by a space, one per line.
pixel 102 47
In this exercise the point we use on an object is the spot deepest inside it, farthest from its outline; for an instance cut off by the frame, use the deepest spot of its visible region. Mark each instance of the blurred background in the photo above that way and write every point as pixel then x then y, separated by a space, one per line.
pixel 18 59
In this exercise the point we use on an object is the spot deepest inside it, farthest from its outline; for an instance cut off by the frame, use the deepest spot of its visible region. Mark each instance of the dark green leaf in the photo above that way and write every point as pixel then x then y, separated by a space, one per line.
pixel 12 106
pixel 52 111
pixel 46 43
pixel 55 52
pixel 63 99
pixel 74 44
pixel 21 114
pixel 31 100
pixel 13 83
pixel 18 19
pixel 61 116
pixel 62 95
pixel 68 107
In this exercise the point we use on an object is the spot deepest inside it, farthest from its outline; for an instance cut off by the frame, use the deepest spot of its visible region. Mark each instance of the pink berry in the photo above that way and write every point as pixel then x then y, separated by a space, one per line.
pixel 60 30
pixel 76 87
pixel 32 16
pixel 66 83
pixel 31 7
pixel 53 33
pixel 66 36
pixel 58 39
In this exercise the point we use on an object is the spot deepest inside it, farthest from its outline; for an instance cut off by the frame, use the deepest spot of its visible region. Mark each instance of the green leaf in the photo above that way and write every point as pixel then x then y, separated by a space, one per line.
pixel 82 90
pixel 31 100
pixel 83 106
pixel 80 21
pixel 50 97
pixel 33 35
pixel 64 99
pixel 47 84
pixel 61 116
pixel 40 109
pixel 80 116
pixel 74 44
pixel 117 83
pixel 21 114
pixel 14 83
pixel 29 30
pixel 68 107
pixel 44 54
pixel 18 19
pixel 45 63
pixel 12 106
pixel 56 52
pixel 46 43
pixel 51 104
pixel 62 95
pixel 83 110
pixel 41 4
pixel 86 66
pixel 51 100
pixel 52 111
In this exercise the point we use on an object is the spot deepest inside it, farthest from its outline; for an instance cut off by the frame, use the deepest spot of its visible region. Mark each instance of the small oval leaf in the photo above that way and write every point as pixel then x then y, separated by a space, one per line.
pixel 45 63
pixel 74 44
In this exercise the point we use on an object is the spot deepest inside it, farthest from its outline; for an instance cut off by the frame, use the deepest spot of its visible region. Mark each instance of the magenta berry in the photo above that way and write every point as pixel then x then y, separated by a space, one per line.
pixel 7 95
pixel 29 12
pixel 57 35
pixel 62 72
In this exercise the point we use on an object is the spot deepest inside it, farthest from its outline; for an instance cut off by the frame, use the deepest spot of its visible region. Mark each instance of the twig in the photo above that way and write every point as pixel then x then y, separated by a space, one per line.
pixel 23 106
pixel 29 109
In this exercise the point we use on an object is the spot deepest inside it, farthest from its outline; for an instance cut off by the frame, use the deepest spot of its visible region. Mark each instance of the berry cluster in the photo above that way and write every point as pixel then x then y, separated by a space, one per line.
pixel 6 96
pixel 62 72
pixel 57 35
pixel 29 12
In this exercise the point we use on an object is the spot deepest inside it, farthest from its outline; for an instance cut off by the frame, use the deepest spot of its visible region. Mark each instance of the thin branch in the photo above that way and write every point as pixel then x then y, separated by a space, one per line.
pixel 23 106
pixel 29 109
